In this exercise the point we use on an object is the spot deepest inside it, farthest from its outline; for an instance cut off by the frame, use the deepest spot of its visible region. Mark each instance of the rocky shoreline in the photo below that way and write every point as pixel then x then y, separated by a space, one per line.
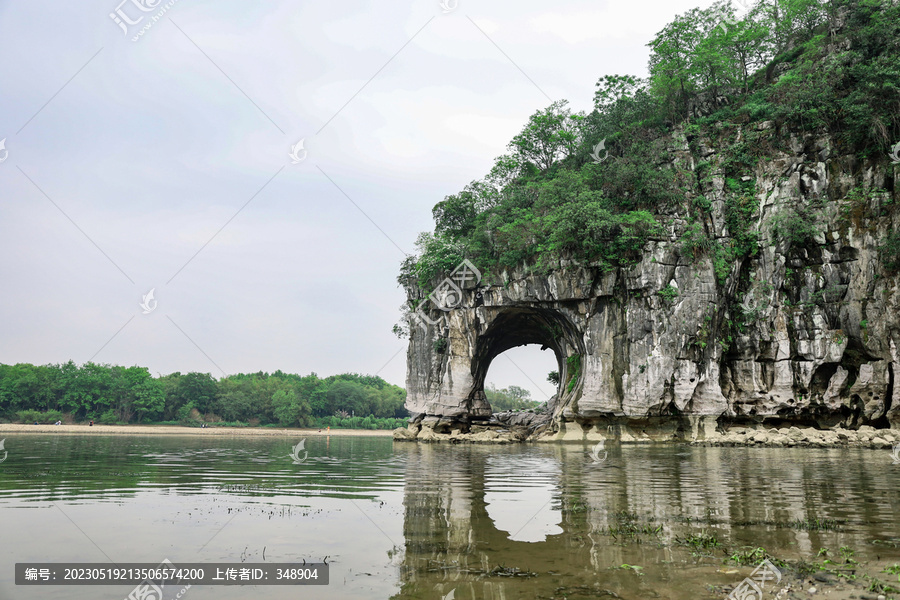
pixel 501 428
pixel 864 437
pixel 508 428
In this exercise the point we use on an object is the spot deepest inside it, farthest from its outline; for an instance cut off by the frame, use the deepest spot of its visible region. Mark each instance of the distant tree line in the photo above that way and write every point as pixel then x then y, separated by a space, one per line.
pixel 115 394
pixel 509 398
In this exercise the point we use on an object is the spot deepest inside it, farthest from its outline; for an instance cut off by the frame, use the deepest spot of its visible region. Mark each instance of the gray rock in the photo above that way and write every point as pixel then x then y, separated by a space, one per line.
pixel 402 434
pixel 427 434
pixel 523 419
pixel 823 317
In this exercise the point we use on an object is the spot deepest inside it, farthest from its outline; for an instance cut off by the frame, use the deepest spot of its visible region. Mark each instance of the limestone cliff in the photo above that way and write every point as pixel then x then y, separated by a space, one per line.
pixel 805 332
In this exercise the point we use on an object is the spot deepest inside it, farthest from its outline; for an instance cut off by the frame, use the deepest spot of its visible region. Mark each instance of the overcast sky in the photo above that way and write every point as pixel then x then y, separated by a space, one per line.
pixel 164 163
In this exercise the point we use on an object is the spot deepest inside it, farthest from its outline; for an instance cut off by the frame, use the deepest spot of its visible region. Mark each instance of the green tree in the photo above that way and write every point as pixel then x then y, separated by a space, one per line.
pixel 197 389
pixel 290 409
pixel 550 136
pixel 455 216
pixel 234 399
pixel 137 394
pixel 349 396
pixel 671 62
pixel 510 398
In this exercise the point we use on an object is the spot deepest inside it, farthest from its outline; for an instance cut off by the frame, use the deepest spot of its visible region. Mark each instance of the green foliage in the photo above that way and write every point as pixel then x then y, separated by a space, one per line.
pixel 700 543
pixel 108 418
pixel 595 189
pixel 455 216
pixel 113 394
pixel 37 416
pixel 197 388
pixel 553 377
pixel 850 89
pixel 511 398
pixel 591 232
pixel 438 254
pixel 796 227
pixel 815 524
pixel 573 364
pixel 749 556
pixel 549 137
pixel 625 566
pixel 889 253
pixel 668 293
pixel 693 241
pixel 368 422
pixel 626 525
pixel 880 587
pixel 289 409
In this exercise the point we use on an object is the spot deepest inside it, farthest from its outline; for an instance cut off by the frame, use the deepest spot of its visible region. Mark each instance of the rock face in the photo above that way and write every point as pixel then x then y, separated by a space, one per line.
pixel 804 332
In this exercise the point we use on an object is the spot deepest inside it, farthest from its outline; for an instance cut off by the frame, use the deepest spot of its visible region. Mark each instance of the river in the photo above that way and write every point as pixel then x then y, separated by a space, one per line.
pixel 405 520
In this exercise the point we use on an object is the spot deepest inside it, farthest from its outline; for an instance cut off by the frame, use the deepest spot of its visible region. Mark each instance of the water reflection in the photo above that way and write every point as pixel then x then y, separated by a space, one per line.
pixel 522 496
pixel 547 521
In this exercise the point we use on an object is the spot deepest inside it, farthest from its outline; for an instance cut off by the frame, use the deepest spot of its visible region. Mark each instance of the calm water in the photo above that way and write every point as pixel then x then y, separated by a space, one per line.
pixel 419 521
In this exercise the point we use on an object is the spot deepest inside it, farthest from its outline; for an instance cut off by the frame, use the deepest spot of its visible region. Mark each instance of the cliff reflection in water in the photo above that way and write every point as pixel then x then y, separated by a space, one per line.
pixel 549 522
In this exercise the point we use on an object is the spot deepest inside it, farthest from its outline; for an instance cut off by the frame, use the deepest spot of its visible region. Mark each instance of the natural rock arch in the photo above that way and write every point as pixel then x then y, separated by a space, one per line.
pixel 792 333
pixel 514 327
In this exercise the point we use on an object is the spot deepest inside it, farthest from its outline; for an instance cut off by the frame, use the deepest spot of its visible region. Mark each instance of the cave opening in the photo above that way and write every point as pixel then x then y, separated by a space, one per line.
pixel 520 378
pixel 550 331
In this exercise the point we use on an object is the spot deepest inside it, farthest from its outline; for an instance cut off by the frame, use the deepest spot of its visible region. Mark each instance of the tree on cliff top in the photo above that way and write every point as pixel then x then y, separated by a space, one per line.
pixel 593 187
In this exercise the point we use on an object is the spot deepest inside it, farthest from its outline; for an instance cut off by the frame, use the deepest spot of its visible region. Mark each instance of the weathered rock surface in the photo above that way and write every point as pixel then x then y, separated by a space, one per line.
pixel 404 434
pixel 804 436
pixel 530 420
pixel 801 333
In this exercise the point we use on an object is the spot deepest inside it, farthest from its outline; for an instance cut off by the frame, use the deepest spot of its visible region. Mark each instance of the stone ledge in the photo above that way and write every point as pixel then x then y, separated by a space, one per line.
pixel 809 437
pixel 478 435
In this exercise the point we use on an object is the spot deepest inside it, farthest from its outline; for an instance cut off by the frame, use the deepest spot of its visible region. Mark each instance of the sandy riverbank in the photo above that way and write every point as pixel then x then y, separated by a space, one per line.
pixel 177 430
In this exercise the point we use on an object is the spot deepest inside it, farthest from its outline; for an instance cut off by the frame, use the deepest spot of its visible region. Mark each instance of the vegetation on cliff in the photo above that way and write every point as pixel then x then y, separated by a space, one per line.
pixel 594 188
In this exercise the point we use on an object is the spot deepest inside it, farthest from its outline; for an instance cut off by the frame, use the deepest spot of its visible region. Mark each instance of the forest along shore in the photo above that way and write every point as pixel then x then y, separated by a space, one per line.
pixel 176 430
